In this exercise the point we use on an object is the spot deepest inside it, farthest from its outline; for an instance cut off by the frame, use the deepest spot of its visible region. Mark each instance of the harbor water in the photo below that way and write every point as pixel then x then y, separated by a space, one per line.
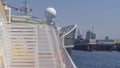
pixel 96 59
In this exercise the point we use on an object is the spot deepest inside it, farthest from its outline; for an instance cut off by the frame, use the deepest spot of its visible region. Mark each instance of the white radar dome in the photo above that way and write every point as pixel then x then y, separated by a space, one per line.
pixel 50 13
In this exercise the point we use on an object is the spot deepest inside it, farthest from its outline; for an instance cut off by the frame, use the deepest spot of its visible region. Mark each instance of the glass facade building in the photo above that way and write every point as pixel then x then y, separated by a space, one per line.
pixel 69 34
pixel 90 35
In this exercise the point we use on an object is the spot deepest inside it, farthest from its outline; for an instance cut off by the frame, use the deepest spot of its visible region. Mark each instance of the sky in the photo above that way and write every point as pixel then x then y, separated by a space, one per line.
pixel 103 15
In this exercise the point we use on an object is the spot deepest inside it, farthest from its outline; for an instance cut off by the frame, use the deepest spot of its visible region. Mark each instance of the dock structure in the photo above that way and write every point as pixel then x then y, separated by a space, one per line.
pixel 98 47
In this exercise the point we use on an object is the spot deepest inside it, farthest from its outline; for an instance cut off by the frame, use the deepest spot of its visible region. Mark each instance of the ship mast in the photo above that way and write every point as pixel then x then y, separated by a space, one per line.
pixel 26 8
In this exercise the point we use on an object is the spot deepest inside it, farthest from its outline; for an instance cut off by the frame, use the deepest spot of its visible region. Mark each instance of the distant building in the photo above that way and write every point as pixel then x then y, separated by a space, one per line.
pixel 107 41
pixel 78 35
pixel 106 38
pixel 90 35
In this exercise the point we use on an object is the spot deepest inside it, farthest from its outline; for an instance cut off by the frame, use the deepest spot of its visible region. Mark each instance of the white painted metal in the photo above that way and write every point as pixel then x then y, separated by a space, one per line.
pixel 31 46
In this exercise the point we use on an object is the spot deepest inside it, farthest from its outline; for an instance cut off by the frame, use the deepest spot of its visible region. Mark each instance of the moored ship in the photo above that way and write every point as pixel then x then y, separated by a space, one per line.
pixel 28 42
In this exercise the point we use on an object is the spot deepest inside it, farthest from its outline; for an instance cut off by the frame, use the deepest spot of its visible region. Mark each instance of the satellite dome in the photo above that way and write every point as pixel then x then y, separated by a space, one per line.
pixel 50 13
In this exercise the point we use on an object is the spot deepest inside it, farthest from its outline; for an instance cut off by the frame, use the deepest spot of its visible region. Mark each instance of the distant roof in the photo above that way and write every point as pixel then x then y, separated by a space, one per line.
pixel 27 19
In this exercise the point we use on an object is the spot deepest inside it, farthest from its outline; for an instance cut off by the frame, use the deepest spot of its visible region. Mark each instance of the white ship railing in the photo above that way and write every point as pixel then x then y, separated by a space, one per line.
pixel 56 47
pixel 67 59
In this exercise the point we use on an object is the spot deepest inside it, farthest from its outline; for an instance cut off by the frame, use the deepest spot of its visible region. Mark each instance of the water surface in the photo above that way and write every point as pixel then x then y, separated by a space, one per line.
pixel 101 59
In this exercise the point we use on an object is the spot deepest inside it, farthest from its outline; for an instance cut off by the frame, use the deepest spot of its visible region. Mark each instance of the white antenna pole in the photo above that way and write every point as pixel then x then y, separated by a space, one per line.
pixel 26 7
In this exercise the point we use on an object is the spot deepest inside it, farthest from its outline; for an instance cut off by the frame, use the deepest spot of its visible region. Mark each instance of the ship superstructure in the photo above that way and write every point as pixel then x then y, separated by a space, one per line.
pixel 28 42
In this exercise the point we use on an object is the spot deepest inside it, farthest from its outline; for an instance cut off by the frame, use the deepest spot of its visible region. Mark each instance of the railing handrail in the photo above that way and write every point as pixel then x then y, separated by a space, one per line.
pixel 67 56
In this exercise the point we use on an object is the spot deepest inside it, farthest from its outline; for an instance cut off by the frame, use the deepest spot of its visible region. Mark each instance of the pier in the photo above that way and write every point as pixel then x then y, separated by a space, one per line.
pixel 97 47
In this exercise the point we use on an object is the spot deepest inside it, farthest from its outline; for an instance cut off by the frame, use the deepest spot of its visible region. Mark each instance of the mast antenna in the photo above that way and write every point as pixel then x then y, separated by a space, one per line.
pixel 26 7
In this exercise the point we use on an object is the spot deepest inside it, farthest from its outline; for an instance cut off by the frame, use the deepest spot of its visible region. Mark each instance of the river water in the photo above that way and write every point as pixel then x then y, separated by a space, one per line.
pixel 99 59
